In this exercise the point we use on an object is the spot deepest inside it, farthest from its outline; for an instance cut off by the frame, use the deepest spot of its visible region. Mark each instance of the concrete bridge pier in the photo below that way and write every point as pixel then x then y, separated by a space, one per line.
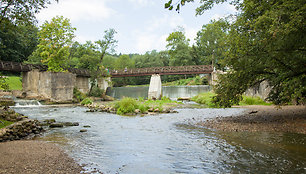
pixel 155 88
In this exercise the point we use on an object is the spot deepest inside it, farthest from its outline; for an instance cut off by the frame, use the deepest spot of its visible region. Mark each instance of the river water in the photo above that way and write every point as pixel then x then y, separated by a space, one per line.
pixel 169 143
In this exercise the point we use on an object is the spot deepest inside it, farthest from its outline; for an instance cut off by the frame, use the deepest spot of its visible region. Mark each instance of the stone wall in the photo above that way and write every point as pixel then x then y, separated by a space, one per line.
pixel 83 84
pixel 262 90
pixel 22 127
pixel 54 86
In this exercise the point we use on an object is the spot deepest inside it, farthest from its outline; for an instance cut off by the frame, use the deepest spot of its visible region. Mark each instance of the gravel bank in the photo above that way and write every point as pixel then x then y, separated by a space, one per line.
pixel 263 118
pixel 33 157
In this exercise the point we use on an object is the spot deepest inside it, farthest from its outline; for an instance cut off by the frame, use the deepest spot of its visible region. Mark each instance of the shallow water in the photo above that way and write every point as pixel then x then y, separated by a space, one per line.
pixel 169 143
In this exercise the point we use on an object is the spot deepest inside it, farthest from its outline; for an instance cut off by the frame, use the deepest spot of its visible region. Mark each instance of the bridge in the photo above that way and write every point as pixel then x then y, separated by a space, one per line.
pixel 167 70
pixel 36 79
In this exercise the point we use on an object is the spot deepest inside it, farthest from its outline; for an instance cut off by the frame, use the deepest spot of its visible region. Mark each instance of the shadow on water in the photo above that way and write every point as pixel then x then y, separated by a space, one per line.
pixel 257 152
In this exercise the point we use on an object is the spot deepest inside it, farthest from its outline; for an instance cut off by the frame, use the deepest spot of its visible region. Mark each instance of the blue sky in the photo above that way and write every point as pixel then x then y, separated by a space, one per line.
pixel 141 25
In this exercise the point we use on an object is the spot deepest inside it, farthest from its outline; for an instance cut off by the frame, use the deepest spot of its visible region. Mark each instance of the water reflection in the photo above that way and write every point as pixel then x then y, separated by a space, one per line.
pixel 169 143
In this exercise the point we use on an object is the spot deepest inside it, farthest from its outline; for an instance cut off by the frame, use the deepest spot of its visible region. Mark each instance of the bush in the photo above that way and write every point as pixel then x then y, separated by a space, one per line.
pixel 78 95
pixel 86 101
pixel 96 92
pixel 248 100
pixel 126 105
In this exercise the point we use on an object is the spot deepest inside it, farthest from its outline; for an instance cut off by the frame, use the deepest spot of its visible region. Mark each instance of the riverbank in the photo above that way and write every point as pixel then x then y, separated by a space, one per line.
pixel 262 118
pixel 35 157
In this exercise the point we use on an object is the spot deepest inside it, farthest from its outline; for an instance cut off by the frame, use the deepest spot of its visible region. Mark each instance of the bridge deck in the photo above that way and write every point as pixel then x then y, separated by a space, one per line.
pixel 20 67
pixel 167 70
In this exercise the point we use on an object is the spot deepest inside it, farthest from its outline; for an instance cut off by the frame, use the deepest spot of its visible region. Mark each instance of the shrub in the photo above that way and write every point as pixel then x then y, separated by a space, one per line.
pixel 78 95
pixel 86 101
pixel 96 92
pixel 248 100
pixel 126 105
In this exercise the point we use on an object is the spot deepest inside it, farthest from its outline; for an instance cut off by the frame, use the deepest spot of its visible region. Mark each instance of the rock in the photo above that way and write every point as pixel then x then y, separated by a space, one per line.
pixel 71 124
pixel 108 98
pixel 156 110
pixel 137 111
pixel 83 130
pixel 87 126
pixel 151 109
pixel 53 125
pixel 49 121
pixel 253 112
pixel 184 98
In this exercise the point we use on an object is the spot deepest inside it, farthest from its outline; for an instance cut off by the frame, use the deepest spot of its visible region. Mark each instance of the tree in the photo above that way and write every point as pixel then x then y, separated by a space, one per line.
pixel 178 49
pixel 211 42
pixel 105 46
pixel 18 33
pixel 266 42
pixel 108 44
pixel 55 39
pixel 17 42
pixel 21 11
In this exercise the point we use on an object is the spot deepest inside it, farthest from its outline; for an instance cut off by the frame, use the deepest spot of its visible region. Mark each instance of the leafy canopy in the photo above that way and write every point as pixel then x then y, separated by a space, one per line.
pixel 55 39
pixel 266 41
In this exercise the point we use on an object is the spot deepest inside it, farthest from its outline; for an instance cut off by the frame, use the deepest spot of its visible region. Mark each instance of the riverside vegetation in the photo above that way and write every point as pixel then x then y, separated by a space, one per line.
pixel 130 106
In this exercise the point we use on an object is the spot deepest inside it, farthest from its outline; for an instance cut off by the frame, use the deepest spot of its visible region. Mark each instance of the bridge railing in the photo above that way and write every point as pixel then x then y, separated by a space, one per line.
pixel 195 69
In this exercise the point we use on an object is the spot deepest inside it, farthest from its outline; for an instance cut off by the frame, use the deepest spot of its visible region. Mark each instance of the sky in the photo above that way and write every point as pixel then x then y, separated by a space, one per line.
pixel 141 25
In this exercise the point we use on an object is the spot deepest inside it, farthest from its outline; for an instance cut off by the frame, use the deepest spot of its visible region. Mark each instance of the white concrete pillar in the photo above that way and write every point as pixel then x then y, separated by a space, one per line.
pixel 155 88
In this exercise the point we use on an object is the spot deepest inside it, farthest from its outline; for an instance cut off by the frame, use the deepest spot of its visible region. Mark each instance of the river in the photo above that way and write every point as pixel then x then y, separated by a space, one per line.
pixel 169 143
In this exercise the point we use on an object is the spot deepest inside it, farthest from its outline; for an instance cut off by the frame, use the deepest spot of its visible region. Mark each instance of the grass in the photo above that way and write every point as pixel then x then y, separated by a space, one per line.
pixel 248 100
pixel 4 123
pixel 129 105
pixel 14 82
pixel 206 98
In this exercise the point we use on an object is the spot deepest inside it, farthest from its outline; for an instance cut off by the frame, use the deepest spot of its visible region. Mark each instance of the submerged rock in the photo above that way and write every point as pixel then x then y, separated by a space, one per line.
pixel 83 130
pixel 54 125
pixel 71 124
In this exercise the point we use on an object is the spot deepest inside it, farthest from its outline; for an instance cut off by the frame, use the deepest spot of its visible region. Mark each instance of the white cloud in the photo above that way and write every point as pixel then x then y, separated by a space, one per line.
pixel 77 10
pixel 142 2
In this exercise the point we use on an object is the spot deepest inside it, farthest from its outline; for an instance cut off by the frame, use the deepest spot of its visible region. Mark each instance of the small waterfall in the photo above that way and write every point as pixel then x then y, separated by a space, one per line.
pixel 27 103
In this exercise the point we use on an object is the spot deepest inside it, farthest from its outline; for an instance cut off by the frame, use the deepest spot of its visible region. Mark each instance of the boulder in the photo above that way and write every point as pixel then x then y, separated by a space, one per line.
pixel 53 125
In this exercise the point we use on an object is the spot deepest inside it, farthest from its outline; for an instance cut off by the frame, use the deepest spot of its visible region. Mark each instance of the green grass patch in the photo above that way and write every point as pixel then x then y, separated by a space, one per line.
pixel 248 100
pixel 4 123
pixel 14 82
pixel 205 98
pixel 86 101
pixel 129 105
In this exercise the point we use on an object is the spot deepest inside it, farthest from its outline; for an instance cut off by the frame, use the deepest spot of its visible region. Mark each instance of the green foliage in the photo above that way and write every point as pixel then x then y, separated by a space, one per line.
pixel 4 123
pixel 179 51
pixel 21 11
pixel 3 83
pixel 126 105
pixel 211 42
pixel 86 101
pixel 248 100
pixel 17 41
pixel 14 82
pixel 78 95
pixel 205 98
pixel 96 92
pixel 55 39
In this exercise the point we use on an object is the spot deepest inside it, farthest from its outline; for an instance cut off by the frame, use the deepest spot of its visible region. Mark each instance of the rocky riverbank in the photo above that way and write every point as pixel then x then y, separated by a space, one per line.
pixel 21 128
pixel 262 118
